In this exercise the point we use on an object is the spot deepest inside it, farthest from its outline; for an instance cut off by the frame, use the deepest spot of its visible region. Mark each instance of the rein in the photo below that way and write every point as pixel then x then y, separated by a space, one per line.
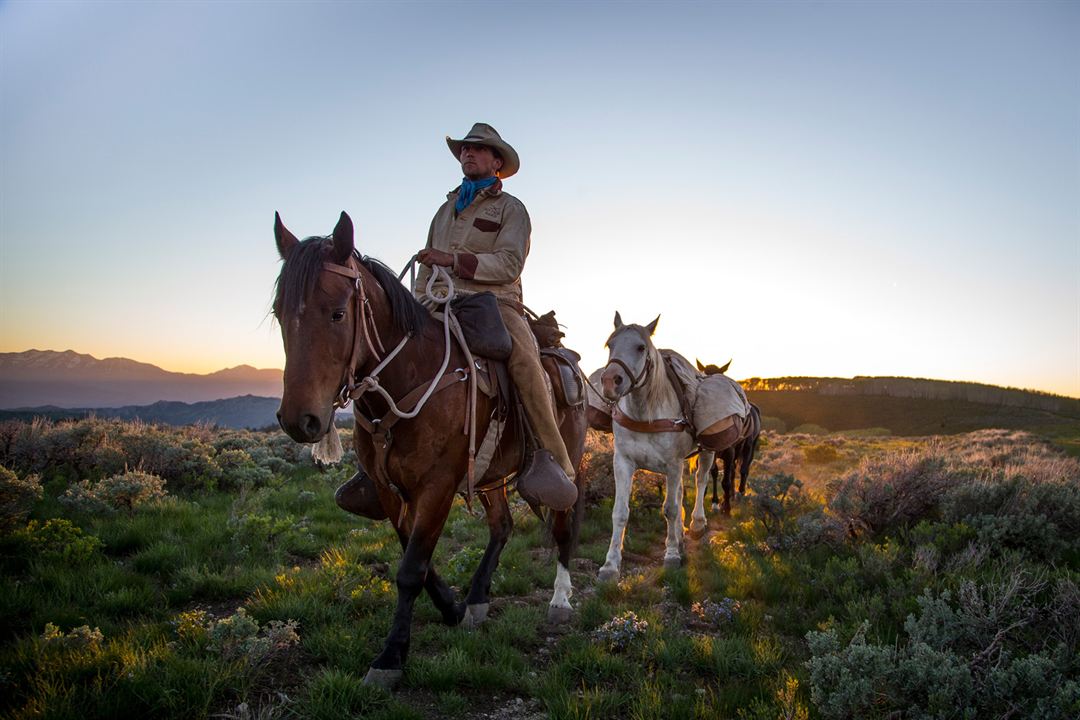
pixel 379 428
pixel 352 390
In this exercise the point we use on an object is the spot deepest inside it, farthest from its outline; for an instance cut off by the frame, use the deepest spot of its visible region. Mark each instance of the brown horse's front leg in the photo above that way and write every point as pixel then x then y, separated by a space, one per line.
pixel 430 515
pixel 442 595
pixel 500 525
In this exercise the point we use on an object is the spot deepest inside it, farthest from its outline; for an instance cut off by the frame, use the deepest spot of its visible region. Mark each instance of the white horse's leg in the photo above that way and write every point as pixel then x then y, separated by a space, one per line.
pixel 620 513
pixel 673 511
pixel 559 608
pixel 698 523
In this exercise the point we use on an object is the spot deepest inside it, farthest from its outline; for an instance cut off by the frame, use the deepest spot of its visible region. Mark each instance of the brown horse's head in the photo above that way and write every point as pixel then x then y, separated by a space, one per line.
pixel 713 369
pixel 317 313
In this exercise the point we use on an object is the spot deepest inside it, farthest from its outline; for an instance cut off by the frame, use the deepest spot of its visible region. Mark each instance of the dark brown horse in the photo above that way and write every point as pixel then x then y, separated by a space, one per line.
pixel 741 453
pixel 336 309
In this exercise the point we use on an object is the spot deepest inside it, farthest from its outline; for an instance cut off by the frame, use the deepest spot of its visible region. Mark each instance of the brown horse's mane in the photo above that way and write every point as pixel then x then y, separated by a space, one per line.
pixel 301 270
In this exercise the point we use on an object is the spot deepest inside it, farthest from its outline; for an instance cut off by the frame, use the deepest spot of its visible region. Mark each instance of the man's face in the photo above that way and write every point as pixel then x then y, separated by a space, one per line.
pixel 478 161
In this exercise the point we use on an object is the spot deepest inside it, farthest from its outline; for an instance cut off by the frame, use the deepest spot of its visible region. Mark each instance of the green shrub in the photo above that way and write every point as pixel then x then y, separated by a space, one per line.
pixel 889 493
pixel 815 526
pixel 821 454
pixel 772 502
pixel 238 637
pixel 991 652
pixel 58 539
pixel 125 491
pixel 17 496
pixel 80 638
pixel 1042 518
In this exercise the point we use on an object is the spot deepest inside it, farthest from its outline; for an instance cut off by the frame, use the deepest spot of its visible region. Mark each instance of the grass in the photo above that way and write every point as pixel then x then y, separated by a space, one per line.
pixel 284 552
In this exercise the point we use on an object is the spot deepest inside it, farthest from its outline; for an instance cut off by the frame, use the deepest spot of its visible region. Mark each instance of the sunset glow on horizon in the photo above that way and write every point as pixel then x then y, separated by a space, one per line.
pixel 826 189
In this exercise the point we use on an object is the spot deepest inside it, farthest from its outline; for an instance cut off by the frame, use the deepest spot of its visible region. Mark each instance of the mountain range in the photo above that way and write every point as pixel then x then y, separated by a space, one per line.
pixel 59 385
pixel 247 411
pixel 68 379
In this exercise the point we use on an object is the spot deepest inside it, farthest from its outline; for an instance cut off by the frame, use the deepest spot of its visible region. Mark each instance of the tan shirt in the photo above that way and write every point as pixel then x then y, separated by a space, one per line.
pixel 489 241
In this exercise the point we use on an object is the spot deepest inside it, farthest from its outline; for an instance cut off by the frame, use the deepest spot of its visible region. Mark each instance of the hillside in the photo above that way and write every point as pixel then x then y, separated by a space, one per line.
pixel 68 379
pixel 902 416
pixel 904 387
pixel 247 411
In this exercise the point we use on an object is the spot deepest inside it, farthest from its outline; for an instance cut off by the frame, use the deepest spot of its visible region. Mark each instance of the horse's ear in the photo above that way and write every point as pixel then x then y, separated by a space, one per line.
pixel 286 241
pixel 726 366
pixel 618 320
pixel 651 327
pixel 343 239
pixel 700 367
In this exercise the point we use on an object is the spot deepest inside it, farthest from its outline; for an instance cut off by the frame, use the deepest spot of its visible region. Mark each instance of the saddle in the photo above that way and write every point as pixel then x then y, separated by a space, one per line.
pixel 488 341
pixel 487 337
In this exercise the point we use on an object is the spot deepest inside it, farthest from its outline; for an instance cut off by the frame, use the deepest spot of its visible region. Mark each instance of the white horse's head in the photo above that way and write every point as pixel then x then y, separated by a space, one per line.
pixel 631 357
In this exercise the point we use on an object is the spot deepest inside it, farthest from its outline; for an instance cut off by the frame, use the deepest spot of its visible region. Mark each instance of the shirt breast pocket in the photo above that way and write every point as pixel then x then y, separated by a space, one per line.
pixel 482 235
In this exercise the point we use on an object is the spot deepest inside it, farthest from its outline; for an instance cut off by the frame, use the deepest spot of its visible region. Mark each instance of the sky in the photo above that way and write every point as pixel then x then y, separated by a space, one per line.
pixel 806 188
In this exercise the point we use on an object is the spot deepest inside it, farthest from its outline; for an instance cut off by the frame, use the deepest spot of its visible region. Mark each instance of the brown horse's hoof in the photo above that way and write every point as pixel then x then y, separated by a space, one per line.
pixel 559 615
pixel 387 679
pixel 608 574
pixel 716 507
pixel 475 615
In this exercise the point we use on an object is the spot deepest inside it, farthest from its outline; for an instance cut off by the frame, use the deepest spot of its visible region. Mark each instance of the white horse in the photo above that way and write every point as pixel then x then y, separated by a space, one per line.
pixel 650 433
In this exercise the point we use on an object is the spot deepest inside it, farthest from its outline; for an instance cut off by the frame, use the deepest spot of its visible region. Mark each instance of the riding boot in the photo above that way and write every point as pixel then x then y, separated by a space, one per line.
pixel 359 496
pixel 549 478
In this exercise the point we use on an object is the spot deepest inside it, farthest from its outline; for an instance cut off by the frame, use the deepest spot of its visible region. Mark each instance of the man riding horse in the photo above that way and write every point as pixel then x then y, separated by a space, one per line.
pixel 480 237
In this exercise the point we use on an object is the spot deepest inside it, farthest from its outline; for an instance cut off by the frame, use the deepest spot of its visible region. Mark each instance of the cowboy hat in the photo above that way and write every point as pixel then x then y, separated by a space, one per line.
pixel 484 134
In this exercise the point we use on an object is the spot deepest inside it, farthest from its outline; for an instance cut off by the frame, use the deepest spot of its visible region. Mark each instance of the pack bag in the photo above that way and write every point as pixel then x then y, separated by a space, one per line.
pixel 720 411
pixel 715 405
pixel 482 325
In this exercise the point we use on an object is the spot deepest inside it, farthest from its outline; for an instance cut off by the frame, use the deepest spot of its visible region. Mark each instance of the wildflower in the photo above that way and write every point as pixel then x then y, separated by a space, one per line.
pixel 621 630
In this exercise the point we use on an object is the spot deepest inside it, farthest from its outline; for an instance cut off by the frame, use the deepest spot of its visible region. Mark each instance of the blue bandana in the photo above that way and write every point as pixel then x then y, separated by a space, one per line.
pixel 468 191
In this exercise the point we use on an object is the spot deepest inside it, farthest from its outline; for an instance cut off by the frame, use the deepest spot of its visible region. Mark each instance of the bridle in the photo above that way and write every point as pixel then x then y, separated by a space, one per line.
pixel 635 382
pixel 365 328
pixel 364 319
pixel 379 428
pixel 642 426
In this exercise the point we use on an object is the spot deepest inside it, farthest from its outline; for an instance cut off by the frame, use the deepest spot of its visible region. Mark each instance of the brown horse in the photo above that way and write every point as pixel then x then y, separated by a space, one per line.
pixel 336 309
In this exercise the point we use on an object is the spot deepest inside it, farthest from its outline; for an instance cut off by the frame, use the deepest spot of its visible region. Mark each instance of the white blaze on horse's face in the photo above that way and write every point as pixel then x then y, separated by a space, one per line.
pixel 629 350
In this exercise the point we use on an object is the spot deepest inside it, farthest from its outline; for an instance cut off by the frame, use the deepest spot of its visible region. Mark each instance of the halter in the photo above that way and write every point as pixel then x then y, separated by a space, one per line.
pixel 635 382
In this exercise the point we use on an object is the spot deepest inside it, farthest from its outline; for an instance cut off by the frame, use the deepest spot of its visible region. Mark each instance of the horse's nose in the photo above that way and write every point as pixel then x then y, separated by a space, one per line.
pixel 611 381
pixel 311 426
